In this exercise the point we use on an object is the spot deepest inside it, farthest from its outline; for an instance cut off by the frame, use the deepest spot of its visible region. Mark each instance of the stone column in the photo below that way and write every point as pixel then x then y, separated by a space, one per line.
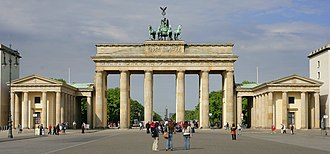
pixel 253 113
pixel 239 109
pixel 105 106
pixel 25 110
pixel 62 107
pixel 180 95
pixel 257 117
pixel 303 110
pixel 148 96
pixel 285 108
pixel 270 110
pixel 12 109
pixel 58 108
pixel 17 111
pixel 263 112
pixel 128 100
pixel 99 93
pixel 274 110
pixel 229 97
pixel 89 110
pixel 317 109
pixel 224 98
pixel 44 108
pixel 71 111
pixel 205 99
pixel 123 99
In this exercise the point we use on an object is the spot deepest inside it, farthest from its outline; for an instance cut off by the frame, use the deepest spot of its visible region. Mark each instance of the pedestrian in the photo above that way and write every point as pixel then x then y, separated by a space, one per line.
pixel 227 126
pixel 192 125
pixel 291 128
pixel 233 132
pixel 186 135
pixel 155 135
pixel 41 128
pixel 54 130
pixel 140 125
pixel 20 129
pixel 169 129
pixel 83 128
pixel 273 129
pixel 239 129
pixel 58 129
pixel 50 130
pixel 148 127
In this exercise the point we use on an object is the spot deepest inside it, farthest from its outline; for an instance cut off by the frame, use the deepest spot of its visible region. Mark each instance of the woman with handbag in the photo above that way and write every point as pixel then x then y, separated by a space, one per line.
pixel 186 135
pixel 168 134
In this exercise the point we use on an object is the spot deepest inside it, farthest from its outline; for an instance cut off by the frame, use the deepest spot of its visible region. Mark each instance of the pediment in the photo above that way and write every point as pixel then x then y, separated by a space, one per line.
pixel 295 80
pixel 35 79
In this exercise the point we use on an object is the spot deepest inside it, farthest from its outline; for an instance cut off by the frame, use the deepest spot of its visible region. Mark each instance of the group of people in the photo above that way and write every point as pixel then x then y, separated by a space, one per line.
pixel 168 129
pixel 283 129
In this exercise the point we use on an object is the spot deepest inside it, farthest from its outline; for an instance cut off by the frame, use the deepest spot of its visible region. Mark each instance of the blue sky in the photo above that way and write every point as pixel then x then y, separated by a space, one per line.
pixel 274 35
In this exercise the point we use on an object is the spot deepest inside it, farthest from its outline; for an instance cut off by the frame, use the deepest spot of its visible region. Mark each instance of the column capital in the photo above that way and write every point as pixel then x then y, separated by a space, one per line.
pixel 148 71
pixel 181 71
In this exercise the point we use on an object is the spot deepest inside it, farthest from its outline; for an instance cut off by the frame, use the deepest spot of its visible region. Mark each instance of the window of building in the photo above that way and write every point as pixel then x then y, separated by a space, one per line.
pixel 318 75
pixel 318 64
pixel 37 100
pixel 291 118
pixel 36 118
pixel 291 100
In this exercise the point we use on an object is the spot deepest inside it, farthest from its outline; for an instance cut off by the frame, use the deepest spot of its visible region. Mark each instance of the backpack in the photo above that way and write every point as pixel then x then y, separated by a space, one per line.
pixel 153 132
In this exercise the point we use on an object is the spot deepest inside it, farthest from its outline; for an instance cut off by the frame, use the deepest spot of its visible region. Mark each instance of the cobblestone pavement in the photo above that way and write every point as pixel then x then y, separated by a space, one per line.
pixel 136 141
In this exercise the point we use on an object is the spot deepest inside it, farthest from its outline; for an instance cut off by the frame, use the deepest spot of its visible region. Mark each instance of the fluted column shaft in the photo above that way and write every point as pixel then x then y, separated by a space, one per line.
pixel 205 99
pixel 58 108
pixel 62 107
pixel 270 110
pixel 124 77
pixel 317 110
pixel 17 111
pixel 148 96
pixel 25 112
pixel 253 113
pixel 303 110
pixel 180 95
pixel 99 93
pixel 239 109
pixel 12 109
pixel 229 97
pixel 44 109
pixel 285 108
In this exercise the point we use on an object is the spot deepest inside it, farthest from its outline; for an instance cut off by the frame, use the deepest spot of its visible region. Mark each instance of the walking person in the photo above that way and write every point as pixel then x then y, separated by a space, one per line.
pixel 169 129
pixel 291 128
pixel 239 129
pixel 54 130
pixel 83 128
pixel 50 130
pixel 155 136
pixel 20 129
pixel 148 127
pixel 186 135
pixel 233 132
pixel 273 129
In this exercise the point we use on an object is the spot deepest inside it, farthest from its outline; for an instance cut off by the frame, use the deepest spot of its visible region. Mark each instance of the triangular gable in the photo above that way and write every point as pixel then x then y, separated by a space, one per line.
pixel 35 79
pixel 295 80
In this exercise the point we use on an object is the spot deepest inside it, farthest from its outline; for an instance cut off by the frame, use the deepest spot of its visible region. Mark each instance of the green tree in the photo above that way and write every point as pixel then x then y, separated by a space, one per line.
pixel 84 109
pixel 215 100
pixel 113 104
pixel 137 111
pixel 61 80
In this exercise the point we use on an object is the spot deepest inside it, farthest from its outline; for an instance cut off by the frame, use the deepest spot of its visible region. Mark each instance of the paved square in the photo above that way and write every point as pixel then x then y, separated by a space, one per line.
pixel 136 141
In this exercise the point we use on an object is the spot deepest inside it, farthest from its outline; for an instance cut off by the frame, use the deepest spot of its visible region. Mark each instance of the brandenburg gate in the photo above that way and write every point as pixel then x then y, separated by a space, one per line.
pixel 164 55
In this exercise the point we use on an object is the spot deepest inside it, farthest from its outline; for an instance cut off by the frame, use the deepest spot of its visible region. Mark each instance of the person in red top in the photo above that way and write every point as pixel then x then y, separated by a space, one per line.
pixel 273 129
pixel 50 130
pixel 233 132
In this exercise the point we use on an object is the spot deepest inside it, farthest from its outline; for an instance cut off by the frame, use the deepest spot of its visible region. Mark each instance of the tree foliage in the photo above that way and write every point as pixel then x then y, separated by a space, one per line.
pixel 215 100
pixel 61 80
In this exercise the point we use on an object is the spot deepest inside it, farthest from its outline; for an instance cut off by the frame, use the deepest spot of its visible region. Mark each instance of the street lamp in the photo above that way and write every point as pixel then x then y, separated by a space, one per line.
pixel 4 64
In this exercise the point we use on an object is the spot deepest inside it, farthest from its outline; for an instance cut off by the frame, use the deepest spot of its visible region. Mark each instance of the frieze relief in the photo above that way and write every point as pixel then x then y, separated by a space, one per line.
pixel 164 49
pixel 165 64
